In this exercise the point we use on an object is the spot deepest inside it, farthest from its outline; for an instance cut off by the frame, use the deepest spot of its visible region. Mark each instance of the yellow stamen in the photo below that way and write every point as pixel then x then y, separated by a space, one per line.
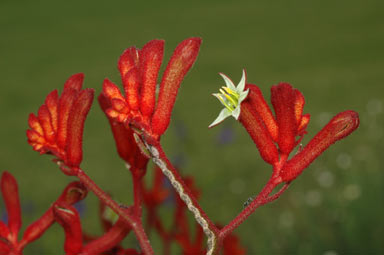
pixel 230 91
pixel 234 103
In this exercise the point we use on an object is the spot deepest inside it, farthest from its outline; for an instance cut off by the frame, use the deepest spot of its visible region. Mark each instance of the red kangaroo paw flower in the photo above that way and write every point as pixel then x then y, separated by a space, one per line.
pixel 69 219
pixel 4 231
pixel 151 57
pixel 73 193
pixel 283 100
pixel 10 194
pixel 4 248
pixel 128 60
pixel 123 137
pixel 339 127
pixel 258 132
pixel 74 82
pixel 46 123
pixel 52 103
pixel 301 130
pixel 131 83
pixel 298 105
pixel 78 114
pixel 109 240
pixel 58 128
pixel 35 125
pixel 125 142
pixel 36 229
pixel 181 61
pixel 256 99
pixel 66 101
pixel 112 92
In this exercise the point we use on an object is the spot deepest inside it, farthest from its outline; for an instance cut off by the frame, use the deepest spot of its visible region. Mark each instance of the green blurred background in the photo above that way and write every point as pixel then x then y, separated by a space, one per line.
pixel 331 50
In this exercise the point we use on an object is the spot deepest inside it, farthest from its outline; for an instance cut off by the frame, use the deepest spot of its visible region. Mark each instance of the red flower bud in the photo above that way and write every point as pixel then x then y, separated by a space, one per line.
pixel 128 60
pixel 339 127
pixel 258 132
pixel 69 219
pixel 74 82
pixel 109 240
pixel 256 99
pixel 65 104
pixel 58 128
pixel 78 114
pixel 283 101
pixel 151 57
pixel 181 61
pixel 123 136
pixel 73 192
pixel 10 194
pixel 131 83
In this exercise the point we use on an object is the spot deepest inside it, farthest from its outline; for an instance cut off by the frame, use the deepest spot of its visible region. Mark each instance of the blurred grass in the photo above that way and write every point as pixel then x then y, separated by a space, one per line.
pixel 331 50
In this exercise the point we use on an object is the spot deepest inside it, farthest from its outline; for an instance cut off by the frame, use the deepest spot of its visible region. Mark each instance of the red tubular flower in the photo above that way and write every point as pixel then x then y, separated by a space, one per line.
pixel 139 71
pixel 340 126
pixel 115 230
pixel 69 219
pixel 10 194
pixel 283 101
pixel 58 127
pixel 181 61
pixel 73 193
pixel 246 103
pixel 257 130
pixel 125 142
pixel 110 240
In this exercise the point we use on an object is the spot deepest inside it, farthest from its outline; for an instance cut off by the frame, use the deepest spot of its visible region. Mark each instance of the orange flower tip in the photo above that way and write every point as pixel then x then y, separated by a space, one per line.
pixel 34 124
pixel 112 113
pixel 110 90
pixel 299 105
pixel 303 123
pixel 120 105
pixel 74 82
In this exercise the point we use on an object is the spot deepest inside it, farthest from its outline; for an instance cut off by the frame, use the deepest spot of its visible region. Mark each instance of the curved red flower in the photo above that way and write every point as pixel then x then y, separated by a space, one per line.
pixel 9 241
pixel 58 127
pixel 139 72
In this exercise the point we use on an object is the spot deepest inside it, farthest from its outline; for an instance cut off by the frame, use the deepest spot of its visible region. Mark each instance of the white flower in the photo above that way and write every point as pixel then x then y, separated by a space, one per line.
pixel 231 97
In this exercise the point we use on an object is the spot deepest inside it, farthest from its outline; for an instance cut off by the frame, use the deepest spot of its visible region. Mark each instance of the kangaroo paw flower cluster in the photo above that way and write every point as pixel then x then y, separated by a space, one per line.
pixel 139 115
pixel 58 127
pixel 276 135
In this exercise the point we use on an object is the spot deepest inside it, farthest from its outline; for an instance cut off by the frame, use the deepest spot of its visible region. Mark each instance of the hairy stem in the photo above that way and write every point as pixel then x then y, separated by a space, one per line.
pixel 161 160
pixel 260 200
pixel 133 222
pixel 137 195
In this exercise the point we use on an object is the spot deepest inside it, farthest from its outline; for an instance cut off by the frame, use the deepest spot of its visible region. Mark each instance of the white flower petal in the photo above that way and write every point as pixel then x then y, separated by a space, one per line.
pixel 225 113
pixel 240 87
pixel 228 81
pixel 243 95
pixel 236 112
